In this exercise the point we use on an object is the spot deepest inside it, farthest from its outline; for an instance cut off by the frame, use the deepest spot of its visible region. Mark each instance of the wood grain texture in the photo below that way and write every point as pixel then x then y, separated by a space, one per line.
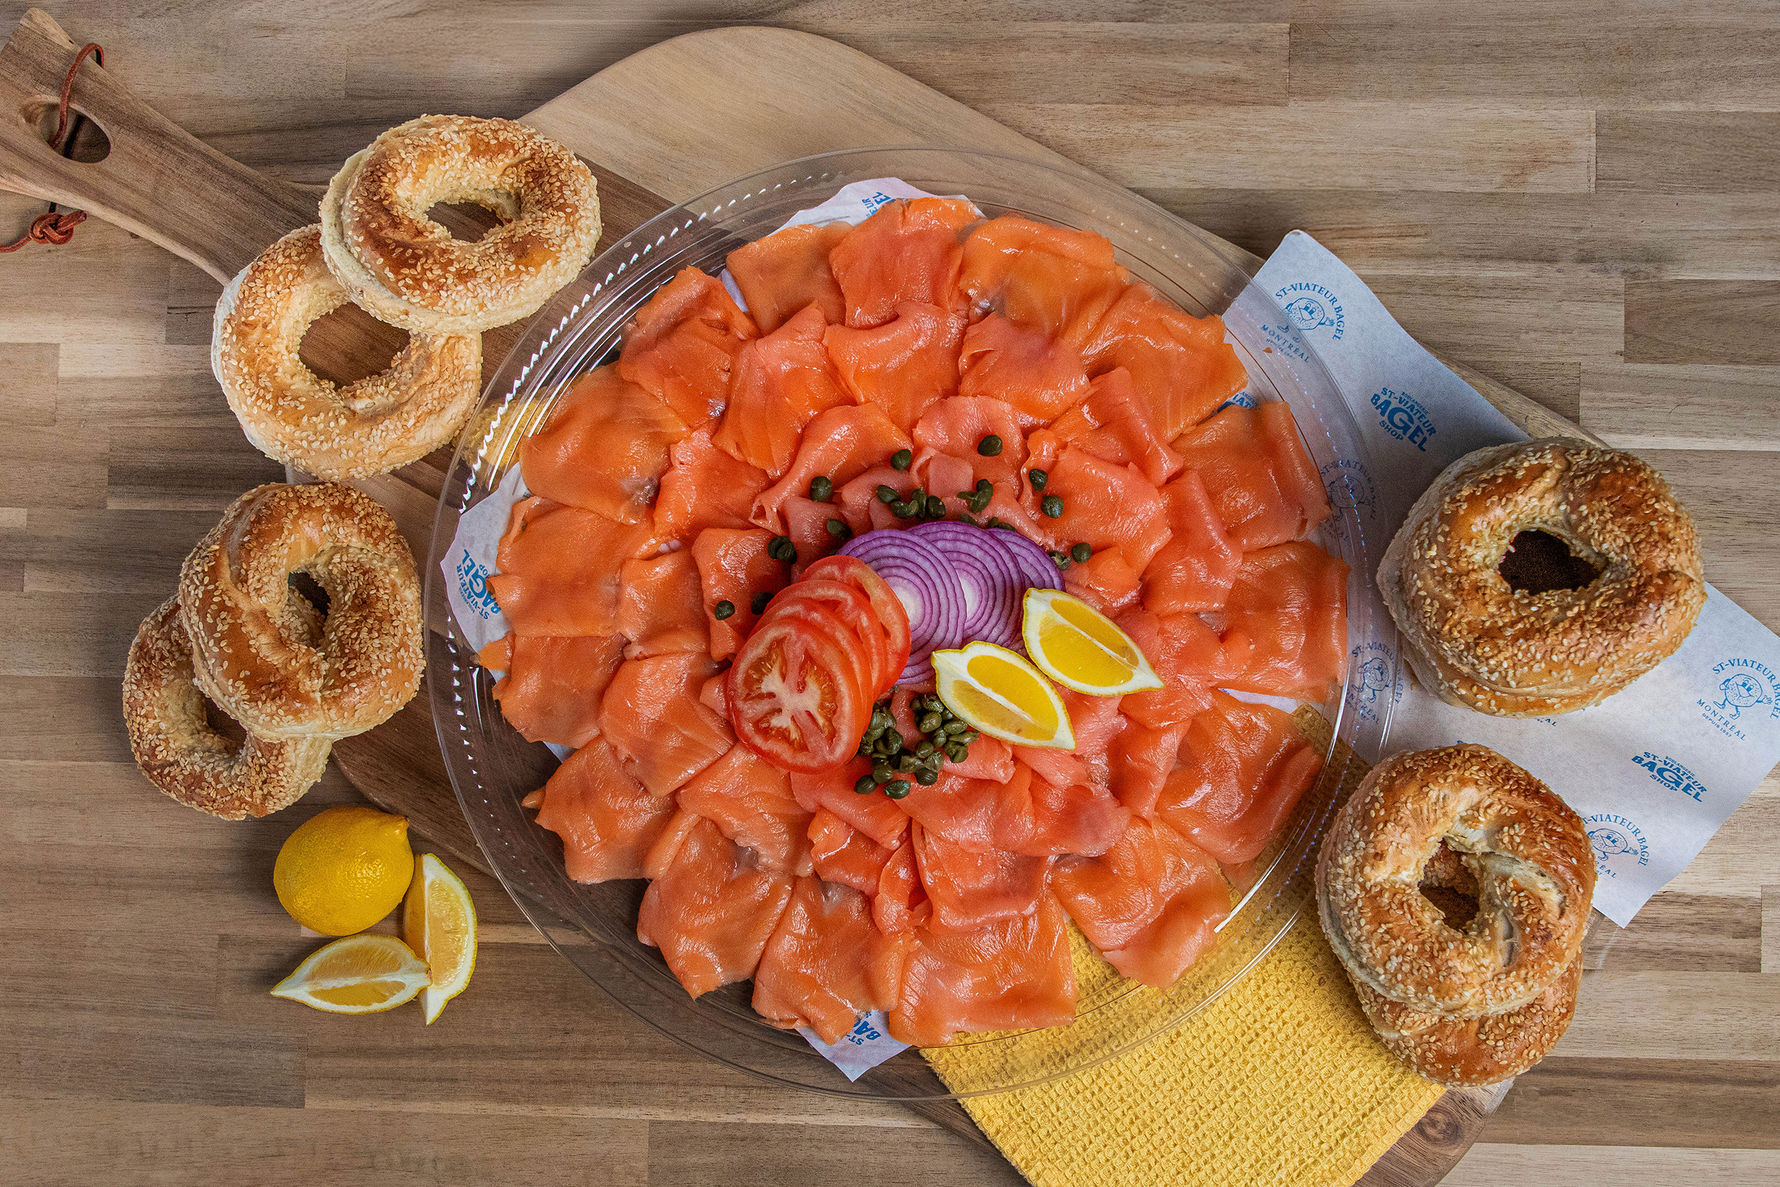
pixel 147 1077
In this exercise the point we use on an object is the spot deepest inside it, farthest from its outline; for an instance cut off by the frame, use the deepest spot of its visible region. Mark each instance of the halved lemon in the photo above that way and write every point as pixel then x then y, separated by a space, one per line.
pixel 361 974
pixel 439 923
pixel 1080 648
pixel 1002 695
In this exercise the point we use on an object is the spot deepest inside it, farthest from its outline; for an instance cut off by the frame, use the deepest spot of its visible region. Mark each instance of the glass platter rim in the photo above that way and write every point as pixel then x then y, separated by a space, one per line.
pixel 537 349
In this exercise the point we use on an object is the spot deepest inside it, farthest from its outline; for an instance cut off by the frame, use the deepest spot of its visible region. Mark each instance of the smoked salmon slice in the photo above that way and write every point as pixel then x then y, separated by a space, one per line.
pixel 606 819
pixel 957 427
pixel 1242 770
pixel 910 250
pixel 1180 365
pixel 1011 974
pixel 787 271
pixel 1038 378
pixel 559 568
pixel 1044 820
pixel 734 566
pixel 661 607
pixel 969 889
pixel 839 444
pixel 900 904
pixel 780 383
pixel 652 716
pixel 711 910
pixel 1103 505
pixel 682 344
pixel 1115 426
pixel 1139 764
pixel 1044 278
pixel 876 816
pixel 705 488
pixel 750 800
pixel 1256 476
pixel 1186 655
pixel 1193 571
pixel 902 366
pixel 841 853
pixel 603 448
pixel 1288 608
pixel 1106 581
pixel 553 686
pixel 826 963
pixel 1151 904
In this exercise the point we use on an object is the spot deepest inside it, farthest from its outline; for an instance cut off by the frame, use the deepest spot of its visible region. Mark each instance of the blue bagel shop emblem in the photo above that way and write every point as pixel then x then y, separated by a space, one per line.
pixel 1744 693
pixel 1351 493
pixel 1671 774
pixel 1401 417
pixel 1619 844
pixel 1312 307
pixel 472 586
pixel 1372 665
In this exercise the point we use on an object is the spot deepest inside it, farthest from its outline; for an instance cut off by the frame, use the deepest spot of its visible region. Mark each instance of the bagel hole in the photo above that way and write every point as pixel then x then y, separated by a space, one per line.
pixel 467 221
pixel 349 344
pixel 311 591
pixel 221 723
pixel 1449 884
pixel 1538 562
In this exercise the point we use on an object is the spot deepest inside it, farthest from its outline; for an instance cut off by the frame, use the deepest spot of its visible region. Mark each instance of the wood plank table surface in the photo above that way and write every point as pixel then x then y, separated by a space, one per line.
pixel 1580 200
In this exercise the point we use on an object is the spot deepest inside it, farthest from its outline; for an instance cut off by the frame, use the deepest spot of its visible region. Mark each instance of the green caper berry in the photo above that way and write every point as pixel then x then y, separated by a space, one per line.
pixel 936 507
pixel 906 762
pixel 1080 553
pixel 838 529
pixel 926 778
pixel 880 719
pixel 886 494
pixel 897 789
pixel 723 609
pixel 1051 505
pixel 1060 559
pixel 1003 524
pixel 923 749
pixel 882 772
pixel 902 459
pixel 985 484
pixel 1038 478
pixel 893 737
pixel 821 488
pixel 957 751
pixel 989 446
pixel 929 722
pixel 780 548
pixel 865 786
pixel 760 600
pixel 932 702
pixel 967 517
pixel 968 736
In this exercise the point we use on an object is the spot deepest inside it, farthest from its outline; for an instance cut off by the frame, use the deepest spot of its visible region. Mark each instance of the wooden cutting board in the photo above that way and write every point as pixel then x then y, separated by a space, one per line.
pixel 657 128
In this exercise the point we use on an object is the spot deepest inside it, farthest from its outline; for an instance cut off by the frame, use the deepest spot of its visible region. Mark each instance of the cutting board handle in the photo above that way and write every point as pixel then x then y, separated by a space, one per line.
pixel 156 181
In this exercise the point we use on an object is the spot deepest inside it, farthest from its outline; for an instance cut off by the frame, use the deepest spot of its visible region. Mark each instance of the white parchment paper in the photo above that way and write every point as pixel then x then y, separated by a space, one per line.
pixel 1655 770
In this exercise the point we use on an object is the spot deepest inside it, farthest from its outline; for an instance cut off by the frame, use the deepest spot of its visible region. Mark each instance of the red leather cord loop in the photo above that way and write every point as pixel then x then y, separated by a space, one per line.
pixel 54 228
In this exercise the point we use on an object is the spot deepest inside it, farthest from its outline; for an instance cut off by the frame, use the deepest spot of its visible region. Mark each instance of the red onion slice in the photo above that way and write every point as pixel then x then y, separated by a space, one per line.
pixel 1033 562
pixel 925 581
pixel 993 583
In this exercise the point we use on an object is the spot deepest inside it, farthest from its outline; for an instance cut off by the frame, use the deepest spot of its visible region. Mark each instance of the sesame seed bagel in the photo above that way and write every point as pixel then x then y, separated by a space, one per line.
pixel 1477 642
pixel 366 663
pixel 401 266
pixel 179 751
pixel 292 414
pixel 1526 854
pixel 1472 1052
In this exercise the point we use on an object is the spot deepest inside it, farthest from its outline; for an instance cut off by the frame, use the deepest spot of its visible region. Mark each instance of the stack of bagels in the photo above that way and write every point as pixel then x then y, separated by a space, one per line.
pixel 296 676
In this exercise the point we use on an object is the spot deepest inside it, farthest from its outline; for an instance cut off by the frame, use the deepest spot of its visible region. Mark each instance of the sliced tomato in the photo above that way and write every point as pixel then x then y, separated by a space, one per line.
pixel 850 604
pixel 892 615
pixel 794 692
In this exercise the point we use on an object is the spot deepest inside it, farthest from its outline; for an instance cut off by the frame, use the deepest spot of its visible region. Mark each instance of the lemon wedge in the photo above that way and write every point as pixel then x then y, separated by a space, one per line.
pixel 343 869
pixel 1002 695
pixel 362 974
pixel 1080 648
pixel 439 923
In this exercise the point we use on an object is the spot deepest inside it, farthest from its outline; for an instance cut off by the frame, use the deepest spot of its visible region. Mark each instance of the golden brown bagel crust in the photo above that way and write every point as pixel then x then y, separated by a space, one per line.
pixel 403 267
pixel 1528 851
pixel 367 663
pixel 293 415
pixel 1477 642
pixel 1472 1052
pixel 182 755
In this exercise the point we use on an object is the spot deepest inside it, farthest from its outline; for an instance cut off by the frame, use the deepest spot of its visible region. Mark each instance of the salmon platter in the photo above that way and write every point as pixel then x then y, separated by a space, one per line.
pixel 910 594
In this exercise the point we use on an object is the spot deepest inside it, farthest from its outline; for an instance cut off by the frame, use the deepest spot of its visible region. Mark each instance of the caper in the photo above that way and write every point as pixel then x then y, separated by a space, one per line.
pixel 902 459
pixel 758 602
pixel 886 494
pixel 897 789
pixel 926 778
pixel 936 507
pixel 1051 505
pixel 893 738
pixel 957 751
pixel 1003 524
pixel 881 719
pixel 821 488
pixel 723 609
pixel 928 723
pixel 968 736
pixel 1038 478
pixel 923 749
pixel 989 446
pixel 780 548
pixel 838 529
pixel 1080 553
pixel 882 772
pixel 967 517
pixel 906 762
pixel 865 786
pixel 1060 559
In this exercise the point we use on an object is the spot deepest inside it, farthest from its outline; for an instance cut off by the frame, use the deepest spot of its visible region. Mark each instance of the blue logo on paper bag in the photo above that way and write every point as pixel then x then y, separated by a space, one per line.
pixel 472 586
pixel 1619 844
pixel 1351 493
pixel 1372 665
pixel 1312 307
pixel 1670 774
pixel 1745 692
pixel 1403 418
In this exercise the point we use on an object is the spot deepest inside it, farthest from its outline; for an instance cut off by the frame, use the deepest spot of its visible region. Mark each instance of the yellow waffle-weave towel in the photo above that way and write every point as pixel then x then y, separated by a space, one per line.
pixel 1279 1081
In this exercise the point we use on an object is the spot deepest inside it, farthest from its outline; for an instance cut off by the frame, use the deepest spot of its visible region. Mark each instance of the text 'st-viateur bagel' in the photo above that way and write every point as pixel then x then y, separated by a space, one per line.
pixel 401 266
pixel 291 414
pixel 1476 640
pixel 233 589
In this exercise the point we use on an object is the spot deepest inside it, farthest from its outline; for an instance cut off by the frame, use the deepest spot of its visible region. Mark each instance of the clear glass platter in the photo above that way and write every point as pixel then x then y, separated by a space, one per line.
pixel 492 767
